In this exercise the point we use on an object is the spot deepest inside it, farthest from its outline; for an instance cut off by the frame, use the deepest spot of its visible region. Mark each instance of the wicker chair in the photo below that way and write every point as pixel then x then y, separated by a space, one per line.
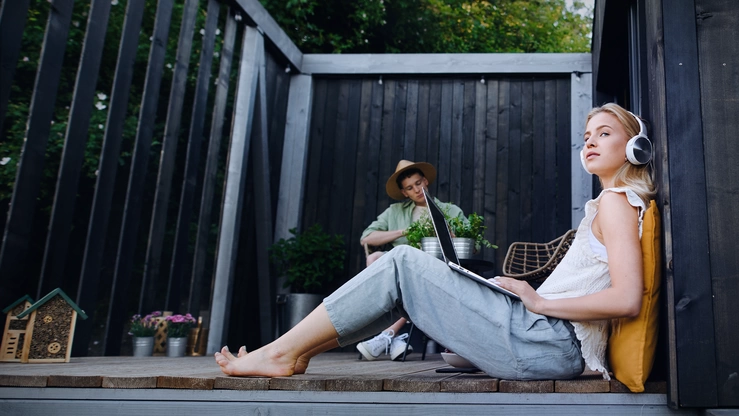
pixel 534 262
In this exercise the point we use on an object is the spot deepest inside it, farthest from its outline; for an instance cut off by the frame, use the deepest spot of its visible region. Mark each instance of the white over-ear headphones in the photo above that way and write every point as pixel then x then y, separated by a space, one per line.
pixel 638 148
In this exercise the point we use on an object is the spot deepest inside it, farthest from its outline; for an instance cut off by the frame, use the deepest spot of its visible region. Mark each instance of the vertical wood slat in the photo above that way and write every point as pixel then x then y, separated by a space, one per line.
pixel 580 86
pixel 467 167
pixel 526 162
pixel 373 180
pixel 12 22
pixel 359 204
pixel 211 165
pixel 339 169
pixel 26 188
pixel 490 209
pixel 57 240
pixel 262 205
pixel 479 163
pixel 514 163
pixel 232 206
pixel 564 141
pixel 192 160
pixel 136 181
pixel 157 228
pixel 434 127
pixel 658 115
pixel 539 129
pixel 411 121
pixel 312 174
pixel 387 162
pixel 693 296
pixel 444 168
pixel 87 292
pixel 456 142
pixel 501 176
pixel 550 156
pixel 719 89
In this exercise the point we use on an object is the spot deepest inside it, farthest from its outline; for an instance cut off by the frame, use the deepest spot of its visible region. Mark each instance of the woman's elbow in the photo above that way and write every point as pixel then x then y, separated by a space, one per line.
pixel 632 309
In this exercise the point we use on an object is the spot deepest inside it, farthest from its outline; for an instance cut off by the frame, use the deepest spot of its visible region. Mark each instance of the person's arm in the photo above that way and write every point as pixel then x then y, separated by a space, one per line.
pixel 378 238
pixel 378 233
pixel 623 298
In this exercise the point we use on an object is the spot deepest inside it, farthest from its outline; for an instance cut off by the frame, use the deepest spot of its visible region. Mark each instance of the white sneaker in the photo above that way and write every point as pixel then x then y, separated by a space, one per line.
pixel 372 348
pixel 397 347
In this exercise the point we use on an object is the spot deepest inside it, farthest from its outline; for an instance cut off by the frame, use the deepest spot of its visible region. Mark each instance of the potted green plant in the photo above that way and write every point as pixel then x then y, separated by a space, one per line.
pixel 472 228
pixel 468 234
pixel 308 261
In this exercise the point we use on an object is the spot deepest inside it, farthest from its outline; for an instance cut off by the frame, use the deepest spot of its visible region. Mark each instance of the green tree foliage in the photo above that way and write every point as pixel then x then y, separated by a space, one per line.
pixel 434 26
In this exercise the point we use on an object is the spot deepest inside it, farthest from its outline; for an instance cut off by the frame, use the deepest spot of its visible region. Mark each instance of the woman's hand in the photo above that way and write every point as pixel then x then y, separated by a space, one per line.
pixel 523 289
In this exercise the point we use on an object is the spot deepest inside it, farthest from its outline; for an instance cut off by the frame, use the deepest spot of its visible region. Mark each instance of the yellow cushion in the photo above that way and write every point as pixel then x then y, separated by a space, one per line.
pixel 632 342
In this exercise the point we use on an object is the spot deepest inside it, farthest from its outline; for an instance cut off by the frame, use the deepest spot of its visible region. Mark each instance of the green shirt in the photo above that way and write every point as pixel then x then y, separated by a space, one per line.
pixel 398 217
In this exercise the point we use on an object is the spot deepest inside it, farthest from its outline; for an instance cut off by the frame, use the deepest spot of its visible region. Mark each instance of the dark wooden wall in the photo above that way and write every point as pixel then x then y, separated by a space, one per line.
pixel 501 148
pixel 689 90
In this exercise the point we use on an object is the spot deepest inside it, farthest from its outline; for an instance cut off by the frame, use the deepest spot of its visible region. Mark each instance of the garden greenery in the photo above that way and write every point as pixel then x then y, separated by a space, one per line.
pixel 309 260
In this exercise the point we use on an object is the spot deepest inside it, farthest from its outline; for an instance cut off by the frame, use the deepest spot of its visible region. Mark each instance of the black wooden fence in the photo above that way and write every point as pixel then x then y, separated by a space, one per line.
pixel 142 234
pixel 501 146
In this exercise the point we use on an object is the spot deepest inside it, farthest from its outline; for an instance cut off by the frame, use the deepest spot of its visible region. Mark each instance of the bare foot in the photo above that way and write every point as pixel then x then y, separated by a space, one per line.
pixel 301 365
pixel 264 362
pixel 227 353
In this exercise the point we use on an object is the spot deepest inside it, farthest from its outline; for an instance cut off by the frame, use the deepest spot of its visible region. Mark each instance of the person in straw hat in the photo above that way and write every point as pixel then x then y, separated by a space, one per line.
pixel 406 185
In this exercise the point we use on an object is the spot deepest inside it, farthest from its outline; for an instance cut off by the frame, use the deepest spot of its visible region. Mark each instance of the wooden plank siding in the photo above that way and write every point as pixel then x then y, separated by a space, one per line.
pixel 491 142
pixel 680 75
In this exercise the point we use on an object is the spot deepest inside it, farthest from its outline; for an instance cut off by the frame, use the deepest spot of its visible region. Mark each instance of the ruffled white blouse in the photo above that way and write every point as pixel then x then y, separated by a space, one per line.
pixel 584 271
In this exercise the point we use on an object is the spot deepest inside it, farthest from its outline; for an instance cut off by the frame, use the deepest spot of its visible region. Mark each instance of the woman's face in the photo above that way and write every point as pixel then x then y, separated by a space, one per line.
pixel 605 145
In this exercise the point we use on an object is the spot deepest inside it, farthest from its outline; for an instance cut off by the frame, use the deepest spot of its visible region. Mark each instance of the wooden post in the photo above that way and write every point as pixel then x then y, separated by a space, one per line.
pixel 238 155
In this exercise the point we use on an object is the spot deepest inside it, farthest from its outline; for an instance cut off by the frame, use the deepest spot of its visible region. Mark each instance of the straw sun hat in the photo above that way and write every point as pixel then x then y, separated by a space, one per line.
pixel 429 172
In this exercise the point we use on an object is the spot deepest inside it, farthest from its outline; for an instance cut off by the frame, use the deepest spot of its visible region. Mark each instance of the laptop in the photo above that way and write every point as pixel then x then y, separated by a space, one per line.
pixel 448 252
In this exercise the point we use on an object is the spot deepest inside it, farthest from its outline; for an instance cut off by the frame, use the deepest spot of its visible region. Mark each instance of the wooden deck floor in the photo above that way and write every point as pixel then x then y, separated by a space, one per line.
pixel 335 382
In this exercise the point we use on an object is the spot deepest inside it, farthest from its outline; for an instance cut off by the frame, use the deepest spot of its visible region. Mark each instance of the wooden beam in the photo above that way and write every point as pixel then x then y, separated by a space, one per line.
pixel 13 16
pixel 690 262
pixel 581 93
pixel 238 155
pixel 60 225
pixel 211 165
pixel 18 229
pixel 446 63
pixel 294 158
pixel 263 206
pixel 272 31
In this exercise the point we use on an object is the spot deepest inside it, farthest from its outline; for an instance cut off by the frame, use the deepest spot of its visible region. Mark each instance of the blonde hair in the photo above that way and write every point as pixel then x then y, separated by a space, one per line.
pixel 636 177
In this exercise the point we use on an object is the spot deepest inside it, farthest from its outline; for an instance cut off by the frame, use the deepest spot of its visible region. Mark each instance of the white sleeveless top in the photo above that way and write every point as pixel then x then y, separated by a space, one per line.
pixel 582 272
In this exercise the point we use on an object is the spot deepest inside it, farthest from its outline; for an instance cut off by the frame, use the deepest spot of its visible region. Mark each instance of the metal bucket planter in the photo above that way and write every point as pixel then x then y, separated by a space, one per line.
pixel 464 247
pixel 295 307
pixel 431 245
pixel 143 346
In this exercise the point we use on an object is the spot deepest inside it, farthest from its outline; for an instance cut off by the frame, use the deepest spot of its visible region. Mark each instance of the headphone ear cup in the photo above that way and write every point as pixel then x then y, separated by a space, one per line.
pixel 582 160
pixel 639 150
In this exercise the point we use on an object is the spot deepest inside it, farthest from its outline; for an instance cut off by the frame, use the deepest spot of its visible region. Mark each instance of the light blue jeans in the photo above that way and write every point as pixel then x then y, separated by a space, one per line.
pixel 500 336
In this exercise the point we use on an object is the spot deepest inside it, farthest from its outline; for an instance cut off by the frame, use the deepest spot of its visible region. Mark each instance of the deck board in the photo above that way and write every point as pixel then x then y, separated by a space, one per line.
pixel 328 372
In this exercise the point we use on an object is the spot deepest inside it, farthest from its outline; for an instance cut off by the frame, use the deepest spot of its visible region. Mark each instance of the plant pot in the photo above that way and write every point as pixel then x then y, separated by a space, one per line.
pixel 465 247
pixel 295 307
pixel 431 246
pixel 143 346
pixel 176 346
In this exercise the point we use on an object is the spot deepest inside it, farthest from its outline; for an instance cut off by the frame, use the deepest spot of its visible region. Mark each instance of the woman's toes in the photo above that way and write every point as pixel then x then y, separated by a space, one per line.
pixel 242 351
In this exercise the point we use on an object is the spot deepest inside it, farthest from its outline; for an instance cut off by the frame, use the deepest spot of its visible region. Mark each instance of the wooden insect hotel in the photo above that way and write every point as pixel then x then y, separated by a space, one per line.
pixel 15 332
pixel 50 329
